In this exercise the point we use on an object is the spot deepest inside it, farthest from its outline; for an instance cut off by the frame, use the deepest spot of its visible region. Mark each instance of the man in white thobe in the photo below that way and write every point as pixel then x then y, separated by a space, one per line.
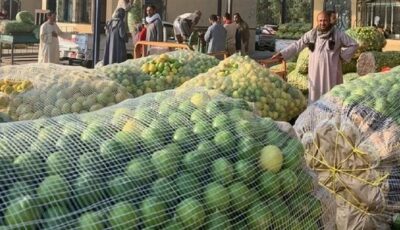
pixel 328 47
pixel 183 25
pixel 153 25
pixel 49 49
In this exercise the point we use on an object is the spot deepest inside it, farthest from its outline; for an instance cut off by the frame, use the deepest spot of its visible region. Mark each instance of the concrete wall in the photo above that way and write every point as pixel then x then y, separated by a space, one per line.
pixel 110 7
pixel 247 9
pixel 207 8
pixel 392 45
pixel 31 5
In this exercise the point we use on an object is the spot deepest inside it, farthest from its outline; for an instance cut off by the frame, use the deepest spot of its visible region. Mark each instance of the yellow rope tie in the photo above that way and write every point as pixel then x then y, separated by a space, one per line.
pixel 364 211
pixel 355 150
pixel 335 172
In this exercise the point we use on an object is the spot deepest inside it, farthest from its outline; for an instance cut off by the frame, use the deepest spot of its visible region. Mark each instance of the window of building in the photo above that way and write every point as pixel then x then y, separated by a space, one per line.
pixel 10 8
pixel 343 12
pixel 73 11
pixel 383 14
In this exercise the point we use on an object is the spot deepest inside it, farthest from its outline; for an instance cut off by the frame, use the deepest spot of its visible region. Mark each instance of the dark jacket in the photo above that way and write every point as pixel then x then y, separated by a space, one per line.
pixel 115 50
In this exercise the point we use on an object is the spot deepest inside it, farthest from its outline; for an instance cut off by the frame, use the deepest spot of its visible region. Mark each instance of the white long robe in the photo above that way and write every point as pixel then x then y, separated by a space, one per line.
pixel 49 49
pixel 324 66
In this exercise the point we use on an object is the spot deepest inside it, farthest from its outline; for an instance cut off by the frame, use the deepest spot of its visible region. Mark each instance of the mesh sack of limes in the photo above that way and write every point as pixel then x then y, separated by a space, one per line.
pixel 242 77
pixel 46 90
pixel 171 160
pixel 24 23
pixel 158 72
pixel 352 137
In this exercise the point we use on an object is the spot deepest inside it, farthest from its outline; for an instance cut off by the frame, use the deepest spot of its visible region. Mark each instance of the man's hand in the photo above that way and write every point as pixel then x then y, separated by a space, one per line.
pixel 54 34
pixel 277 56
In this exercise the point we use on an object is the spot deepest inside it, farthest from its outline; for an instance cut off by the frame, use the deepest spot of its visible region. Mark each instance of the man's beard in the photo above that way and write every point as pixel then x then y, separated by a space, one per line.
pixel 328 28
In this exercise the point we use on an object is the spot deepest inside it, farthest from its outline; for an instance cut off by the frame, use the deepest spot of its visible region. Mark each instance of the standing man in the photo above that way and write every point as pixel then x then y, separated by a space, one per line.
pixel 230 34
pixel 243 34
pixel 328 47
pixel 49 48
pixel 333 17
pixel 215 35
pixel 154 25
pixel 183 25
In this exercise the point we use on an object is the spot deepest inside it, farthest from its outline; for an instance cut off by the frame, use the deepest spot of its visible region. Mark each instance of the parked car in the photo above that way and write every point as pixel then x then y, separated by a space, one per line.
pixel 265 37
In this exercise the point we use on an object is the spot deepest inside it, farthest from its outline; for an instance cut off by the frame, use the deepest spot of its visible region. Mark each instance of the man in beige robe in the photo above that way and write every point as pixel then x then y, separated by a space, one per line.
pixel 328 47
pixel 230 34
pixel 49 48
pixel 242 34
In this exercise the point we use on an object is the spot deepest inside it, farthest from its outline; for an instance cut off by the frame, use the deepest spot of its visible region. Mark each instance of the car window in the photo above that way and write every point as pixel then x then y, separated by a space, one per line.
pixel 168 32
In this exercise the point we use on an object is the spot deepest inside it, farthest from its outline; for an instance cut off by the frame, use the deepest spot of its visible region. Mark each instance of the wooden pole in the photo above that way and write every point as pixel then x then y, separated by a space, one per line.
pixel 219 8
pixel 96 31
pixel 11 8
pixel 230 4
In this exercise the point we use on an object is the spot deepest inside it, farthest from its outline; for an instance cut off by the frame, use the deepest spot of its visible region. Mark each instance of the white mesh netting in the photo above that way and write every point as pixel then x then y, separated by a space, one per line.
pixel 158 72
pixel 351 138
pixel 35 91
pixel 242 77
pixel 176 160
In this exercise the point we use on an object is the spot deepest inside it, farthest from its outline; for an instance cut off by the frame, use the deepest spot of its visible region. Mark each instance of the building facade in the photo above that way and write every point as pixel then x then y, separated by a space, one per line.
pixel 14 6
pixel 386 13
pixel 75 15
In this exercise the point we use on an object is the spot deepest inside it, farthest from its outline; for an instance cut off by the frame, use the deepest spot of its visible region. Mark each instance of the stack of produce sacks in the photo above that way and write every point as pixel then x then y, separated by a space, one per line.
pixel 158 72
pixel 292 30
pixel 395 69
pixel 298 77
pixel 369 55
pixel 24 23
pixel 352 138
pixel 349 77
pixel 134 17
pixel 242 77
pixel 46 90
pixel 368 39
pixel 171 160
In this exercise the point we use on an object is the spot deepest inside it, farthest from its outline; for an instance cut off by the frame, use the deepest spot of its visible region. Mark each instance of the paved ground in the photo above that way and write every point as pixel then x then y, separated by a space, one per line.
pixel 261 55
pixel 21 56
pixel 28 54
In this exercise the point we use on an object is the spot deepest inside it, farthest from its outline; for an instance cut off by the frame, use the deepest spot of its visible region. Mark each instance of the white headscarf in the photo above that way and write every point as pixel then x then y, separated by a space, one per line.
pixel 119 16
pixel 153 18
